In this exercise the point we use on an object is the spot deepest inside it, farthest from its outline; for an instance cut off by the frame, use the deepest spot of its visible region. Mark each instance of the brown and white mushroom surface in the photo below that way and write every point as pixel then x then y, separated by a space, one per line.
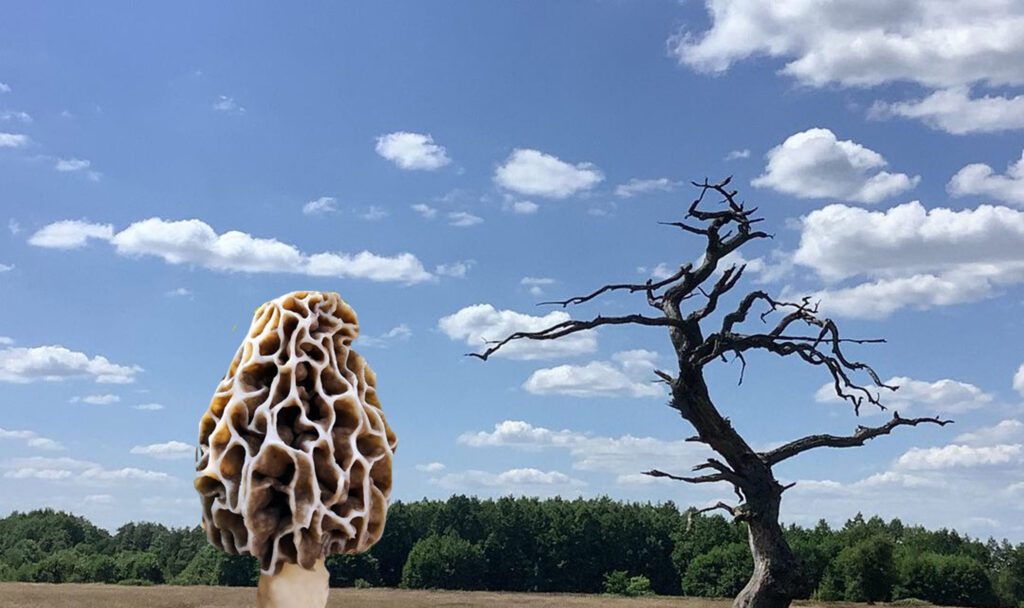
pixel 294 451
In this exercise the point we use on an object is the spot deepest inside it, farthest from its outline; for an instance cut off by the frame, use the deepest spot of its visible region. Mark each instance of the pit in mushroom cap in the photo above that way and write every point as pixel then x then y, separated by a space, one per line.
pixel 295 453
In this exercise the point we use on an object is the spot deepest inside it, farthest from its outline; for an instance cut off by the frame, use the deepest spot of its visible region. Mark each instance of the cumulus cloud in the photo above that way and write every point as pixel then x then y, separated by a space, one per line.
pixel 478 324
pixel 149 407
pixel 170 450
pixel 412 151
pixel 816 164
pixel 31 439
pixel 955 456
pixel 223 103
pixel 523 481
pixel 912 257
pixel 4 87
pixel 70 234
pixel 536 285
pixel 19 116
pixel 940 397
pixel 463 219
pixel 430 467
pixel 956 111
pixel 738 154
pixel 855 43
pixel 105 399
pixel 78 471
pixel 13 140
pixel 320 206
pixel 67 165
pixel 456 270
pixel 520 207
pixel 944 46
pixel 195 242
pixel 398 333
pixel 1003 432
pixel 426 211
pixel 534 173
pixel 628 374
pixel 636 186
pixel 620 456
pixel 1018 380
pixel 981 180
pixel 56 363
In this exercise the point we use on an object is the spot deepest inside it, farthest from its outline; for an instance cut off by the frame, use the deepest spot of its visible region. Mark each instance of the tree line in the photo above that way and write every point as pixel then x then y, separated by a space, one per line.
pixel 553 545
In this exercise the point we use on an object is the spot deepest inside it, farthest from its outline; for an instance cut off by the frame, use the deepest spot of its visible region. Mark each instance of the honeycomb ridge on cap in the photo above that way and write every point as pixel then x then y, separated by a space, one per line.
pixel 294 451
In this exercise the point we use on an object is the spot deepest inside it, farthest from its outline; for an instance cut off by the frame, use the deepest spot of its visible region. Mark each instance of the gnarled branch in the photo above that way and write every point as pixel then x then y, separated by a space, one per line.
pixel 862 434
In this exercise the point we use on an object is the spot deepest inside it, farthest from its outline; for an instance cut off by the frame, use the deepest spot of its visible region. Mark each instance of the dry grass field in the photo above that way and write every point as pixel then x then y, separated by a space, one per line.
pixel 23 595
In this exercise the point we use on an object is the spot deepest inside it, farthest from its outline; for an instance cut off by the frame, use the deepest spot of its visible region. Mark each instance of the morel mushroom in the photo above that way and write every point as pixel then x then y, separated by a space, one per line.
pixel 295 453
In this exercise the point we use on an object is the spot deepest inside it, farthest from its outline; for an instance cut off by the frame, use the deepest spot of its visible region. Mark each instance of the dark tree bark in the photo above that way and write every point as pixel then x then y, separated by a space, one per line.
pixel 798 331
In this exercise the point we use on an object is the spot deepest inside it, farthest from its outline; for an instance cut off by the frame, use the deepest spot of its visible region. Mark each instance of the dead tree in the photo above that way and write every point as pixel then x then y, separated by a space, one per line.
pixel 686 303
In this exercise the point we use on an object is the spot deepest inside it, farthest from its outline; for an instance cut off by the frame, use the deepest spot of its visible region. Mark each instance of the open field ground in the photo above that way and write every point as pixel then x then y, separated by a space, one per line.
pixel 23 595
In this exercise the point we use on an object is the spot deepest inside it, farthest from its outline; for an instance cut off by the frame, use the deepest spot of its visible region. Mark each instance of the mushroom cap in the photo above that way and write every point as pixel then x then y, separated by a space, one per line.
pixel 294 451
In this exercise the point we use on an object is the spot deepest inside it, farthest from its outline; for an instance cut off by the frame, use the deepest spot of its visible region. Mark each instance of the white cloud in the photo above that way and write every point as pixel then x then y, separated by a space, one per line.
pixel 398 333
pixel 1003 432
pixel 426 211
pixel 738 154
pixel 1018 380
pixel 514 481
pixel 412 151
pixel 456 270
pixel 856 43
pixel 912 257
pixel 4 87
pixel 56 363
pixel 374 213
pixel 149 407
pixel 940 397
pixel 320 206
pixel 13 140
pixel 6 267
pixel 223 103
pixel 5 341
pixel 480 323
pixel 70 234
pixel 66 165
pixel 536 285
pixel 642 186
pixel 195 242
pixel 79 471
pixel 31 439
pixel 13 226
pixel 955 456
pixel 431 467
pixel 955 111
pixel 815 164
pixel 534 173
pixel 463 219
pixel 105 399
pixel 981 180
pixel 628 375
pixel 945 46
pixel 520 207
pixel 24 117
pixel 618 456
pixel 180 292
pixel 170 450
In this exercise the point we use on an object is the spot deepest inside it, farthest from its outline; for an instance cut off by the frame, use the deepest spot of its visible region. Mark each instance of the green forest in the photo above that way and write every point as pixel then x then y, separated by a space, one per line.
pixel 555 545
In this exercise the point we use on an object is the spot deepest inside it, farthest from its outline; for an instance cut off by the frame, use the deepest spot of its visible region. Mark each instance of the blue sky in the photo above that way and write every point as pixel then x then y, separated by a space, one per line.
pixel 446 167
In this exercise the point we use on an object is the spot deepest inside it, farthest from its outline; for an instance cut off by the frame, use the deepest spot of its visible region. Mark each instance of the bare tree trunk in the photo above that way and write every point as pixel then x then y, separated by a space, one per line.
pixel 776 572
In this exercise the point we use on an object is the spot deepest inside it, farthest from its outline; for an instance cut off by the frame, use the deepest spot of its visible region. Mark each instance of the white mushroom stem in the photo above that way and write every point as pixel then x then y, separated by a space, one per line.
pixel 294 587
